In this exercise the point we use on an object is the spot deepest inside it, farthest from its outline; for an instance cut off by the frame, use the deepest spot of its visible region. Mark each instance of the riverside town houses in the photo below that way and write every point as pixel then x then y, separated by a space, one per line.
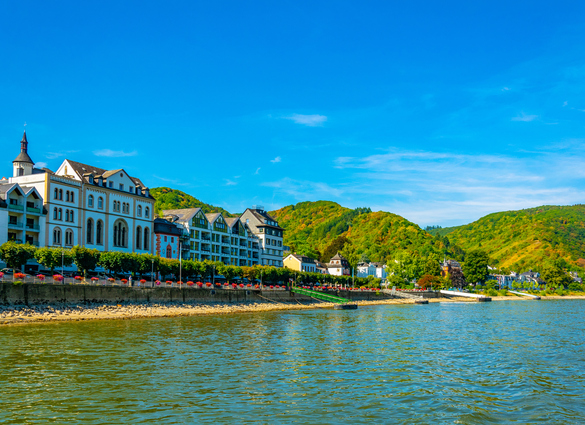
pixel 109 210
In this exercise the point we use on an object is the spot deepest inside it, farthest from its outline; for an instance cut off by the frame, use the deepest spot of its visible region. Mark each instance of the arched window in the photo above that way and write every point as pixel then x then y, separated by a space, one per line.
pixel 55 213
pixel 146 212
pixel 72 196
pixel 57 236
pixel 56 194
pixel 100 203
pixel 146 239
pixel 139 211
pixel 71 217
pixel 66 215
pixel 60 214
pixel 99 232
pixel 138 238
pixel 68 237
pixel 90 201
pixel 89 232
pixel 66 199
pixel 169 252
pixel 60 194
pixel 120 234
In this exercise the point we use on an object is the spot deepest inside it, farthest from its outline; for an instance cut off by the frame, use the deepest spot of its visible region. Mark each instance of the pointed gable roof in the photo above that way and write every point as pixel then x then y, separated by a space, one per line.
pixel 183 214
pixel 23 155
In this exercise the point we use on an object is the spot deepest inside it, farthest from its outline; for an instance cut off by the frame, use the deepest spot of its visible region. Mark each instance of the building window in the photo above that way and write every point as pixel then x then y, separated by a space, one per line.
pixel 68 237
pixel 90 201
pixel 139 211
pixel 66 199
pixel 99 232
pixel 72 196
pixel 60 215
pixel 111 185
pixel 120 234
pixel 131 189
pixel 172 239
pixel 169 252
pixel 146 239
pixel 146 212
pixel 100 203
pixel 165 238
pixel 138 237
pixel 89 232
pixel 55 213
pixel 60 194
pixel 56 194
pixel 57 236
pixel 121 186
pixel 71 217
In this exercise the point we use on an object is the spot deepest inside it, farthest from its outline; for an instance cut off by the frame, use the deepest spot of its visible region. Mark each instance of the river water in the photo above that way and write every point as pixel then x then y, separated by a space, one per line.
pixel 513 361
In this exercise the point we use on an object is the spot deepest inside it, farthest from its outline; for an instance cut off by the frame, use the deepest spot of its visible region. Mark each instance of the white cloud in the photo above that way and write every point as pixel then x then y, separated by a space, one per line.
pixel 40 164
pixel 303 190
pixel 114 154
pixel 54 155
pixel 308 120
pixel 257 170
pixel 229 182
pixel 525 118
pixel 275 160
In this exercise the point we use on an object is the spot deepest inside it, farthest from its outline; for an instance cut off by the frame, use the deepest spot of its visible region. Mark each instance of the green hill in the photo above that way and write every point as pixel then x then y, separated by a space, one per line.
pixel 525 239
pixel 169 199
pixel 311 227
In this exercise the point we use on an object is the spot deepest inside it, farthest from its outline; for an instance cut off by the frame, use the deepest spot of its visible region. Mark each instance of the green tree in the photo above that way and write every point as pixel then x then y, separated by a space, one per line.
pixel 112 261
pixel 16 255
pixel 85 259
pixel 555 276
pixel 475 267
pixel 52 258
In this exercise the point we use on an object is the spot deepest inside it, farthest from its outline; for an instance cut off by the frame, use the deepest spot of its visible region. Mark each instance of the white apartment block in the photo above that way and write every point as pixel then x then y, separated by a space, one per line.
pixel 215 237
pixel 269 233
pixel 103 209
pixel 22 216
pixel 372 269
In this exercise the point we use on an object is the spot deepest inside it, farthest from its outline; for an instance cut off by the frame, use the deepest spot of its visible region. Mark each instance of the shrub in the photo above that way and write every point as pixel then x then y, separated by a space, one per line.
pixel 560 291
pixel 503 292
pixel 18 282
pixel 491 292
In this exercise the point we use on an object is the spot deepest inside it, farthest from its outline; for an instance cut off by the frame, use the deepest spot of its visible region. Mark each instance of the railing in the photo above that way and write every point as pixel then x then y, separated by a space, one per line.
pixel 15 207
pixel 33 210
pixel 17 224
pixel 33 227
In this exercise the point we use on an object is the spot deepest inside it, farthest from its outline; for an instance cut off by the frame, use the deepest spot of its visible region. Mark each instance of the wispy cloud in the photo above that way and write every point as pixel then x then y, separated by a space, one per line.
pixel 275 160
pixel 114 154
pixel 173 181
pixel 257 170
pixel 303 190
pixel 229 182
pixel 54 155
pixel 308 120
pixel 40 164
pixel 525 118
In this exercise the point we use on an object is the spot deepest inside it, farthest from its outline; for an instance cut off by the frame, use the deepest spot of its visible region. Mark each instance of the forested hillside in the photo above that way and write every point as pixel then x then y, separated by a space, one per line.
pixel 169 199
pixel 527 238
pixel 319 229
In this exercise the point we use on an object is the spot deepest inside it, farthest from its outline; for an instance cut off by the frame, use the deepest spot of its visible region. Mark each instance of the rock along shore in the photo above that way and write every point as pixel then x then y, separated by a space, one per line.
pixel 57 312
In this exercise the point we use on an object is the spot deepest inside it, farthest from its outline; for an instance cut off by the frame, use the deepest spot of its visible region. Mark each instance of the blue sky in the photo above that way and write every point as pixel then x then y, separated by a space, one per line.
pixel 438 111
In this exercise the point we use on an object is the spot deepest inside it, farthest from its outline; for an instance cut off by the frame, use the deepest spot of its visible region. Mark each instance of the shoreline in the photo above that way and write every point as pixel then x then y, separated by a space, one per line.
pixel 23 315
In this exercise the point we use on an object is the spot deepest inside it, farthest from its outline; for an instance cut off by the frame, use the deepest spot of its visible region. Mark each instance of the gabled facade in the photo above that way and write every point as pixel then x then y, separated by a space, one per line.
pixel 268 232
pixel 371 269
pixel 215 237
pixel 22 216
pixel 90 206
pixel 167 238
pixel 338 266
pixel 300 263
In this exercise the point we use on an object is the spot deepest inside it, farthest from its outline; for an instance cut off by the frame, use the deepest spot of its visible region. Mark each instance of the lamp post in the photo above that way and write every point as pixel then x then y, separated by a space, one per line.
pixel 261 271
pixel 213 276
pixel 62 263
pixel 152 274
pixel 180 261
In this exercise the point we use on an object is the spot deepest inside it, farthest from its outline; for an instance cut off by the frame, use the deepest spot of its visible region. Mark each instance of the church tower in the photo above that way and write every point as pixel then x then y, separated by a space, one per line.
pixel 23 164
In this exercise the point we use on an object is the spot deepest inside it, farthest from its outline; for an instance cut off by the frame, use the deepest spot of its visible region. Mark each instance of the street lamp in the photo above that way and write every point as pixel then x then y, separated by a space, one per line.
pixel 62 263
pixel 152 273
pixel 213 277
pixel 180 262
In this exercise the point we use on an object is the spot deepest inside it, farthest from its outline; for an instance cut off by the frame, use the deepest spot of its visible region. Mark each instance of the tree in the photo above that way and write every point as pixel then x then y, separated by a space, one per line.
pixel 431 267
pixel 457 278
pixel 364 258
pixel 476 266
pixel 227 271
pixel 112 261
pixel 428 281
pixel 52 258
pixel 333 248
pixel 84 258
pixel 555 276
pixel 15 254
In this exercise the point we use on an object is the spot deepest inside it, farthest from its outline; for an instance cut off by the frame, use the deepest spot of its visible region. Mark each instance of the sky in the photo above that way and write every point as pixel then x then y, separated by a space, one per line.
pixel 441 112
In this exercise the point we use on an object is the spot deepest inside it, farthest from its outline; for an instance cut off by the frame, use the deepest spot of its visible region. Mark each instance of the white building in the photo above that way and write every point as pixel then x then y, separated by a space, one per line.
pixel 215 237
pixel 103 209
pixel 22 216
pixel 269 233
pixel 338 266
pixel 371 269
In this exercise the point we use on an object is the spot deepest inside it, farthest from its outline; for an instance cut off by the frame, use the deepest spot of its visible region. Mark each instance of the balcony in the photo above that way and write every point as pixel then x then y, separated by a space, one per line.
pixel 14 207
pixel 15 224
pixel 205 249
pixel 33 210
pixel 33 227
pixel 205 238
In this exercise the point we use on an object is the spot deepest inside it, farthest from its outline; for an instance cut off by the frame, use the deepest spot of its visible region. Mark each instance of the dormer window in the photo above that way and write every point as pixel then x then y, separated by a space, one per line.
pixel 111 185
pixel 90 179
pixel 121 186
pixel 131 190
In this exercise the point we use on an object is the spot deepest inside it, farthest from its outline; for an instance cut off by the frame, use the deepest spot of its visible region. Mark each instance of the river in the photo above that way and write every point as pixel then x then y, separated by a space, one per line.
pixel 470 363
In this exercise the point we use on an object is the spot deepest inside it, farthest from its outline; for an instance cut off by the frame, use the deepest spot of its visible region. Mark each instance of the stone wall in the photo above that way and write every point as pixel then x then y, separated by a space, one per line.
pixel 34 294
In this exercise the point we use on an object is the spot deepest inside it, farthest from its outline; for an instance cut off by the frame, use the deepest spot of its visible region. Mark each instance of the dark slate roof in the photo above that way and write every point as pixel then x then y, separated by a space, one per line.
pixel 23 155
pixel 262 215
pixel 164 226
pixel 304 259
pixel 184 214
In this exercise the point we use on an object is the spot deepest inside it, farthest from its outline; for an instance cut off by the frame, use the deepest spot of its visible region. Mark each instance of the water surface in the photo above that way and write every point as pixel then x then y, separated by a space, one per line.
pixel 513 361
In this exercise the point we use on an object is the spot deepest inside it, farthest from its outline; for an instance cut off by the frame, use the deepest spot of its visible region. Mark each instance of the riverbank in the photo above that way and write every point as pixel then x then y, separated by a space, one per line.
pixel 19 315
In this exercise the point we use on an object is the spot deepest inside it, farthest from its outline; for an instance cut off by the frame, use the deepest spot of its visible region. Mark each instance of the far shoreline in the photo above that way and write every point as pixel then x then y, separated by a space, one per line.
pixel 22 315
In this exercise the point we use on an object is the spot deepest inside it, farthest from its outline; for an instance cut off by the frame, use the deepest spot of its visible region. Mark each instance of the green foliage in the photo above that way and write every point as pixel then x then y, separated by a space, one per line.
pixel 170 199
pixel 16 255
pixel 527 239
pixel 475 267
pixel 52 258
pixel 555 276
pixel 84 258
